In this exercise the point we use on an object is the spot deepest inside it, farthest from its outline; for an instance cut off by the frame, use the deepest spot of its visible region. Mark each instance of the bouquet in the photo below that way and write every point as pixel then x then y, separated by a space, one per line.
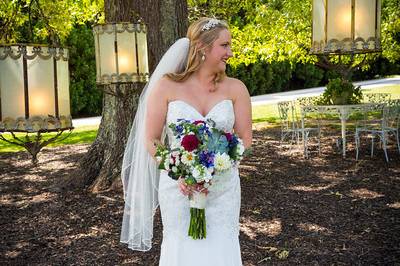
pixel 198 153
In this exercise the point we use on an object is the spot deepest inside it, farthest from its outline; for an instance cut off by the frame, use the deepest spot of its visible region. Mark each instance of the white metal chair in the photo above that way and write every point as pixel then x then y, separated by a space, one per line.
pixel 293 126
pixel 385 125
pixel 289 125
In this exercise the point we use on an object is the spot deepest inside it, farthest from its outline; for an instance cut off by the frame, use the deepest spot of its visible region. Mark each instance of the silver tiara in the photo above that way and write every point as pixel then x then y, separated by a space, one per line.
pixel 210 24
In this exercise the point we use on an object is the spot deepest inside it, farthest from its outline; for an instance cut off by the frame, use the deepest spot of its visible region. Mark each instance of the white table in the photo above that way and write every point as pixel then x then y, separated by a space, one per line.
pixel 344 111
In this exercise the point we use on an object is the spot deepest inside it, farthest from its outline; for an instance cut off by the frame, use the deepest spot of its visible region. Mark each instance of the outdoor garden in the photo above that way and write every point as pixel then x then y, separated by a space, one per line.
pixel 314 207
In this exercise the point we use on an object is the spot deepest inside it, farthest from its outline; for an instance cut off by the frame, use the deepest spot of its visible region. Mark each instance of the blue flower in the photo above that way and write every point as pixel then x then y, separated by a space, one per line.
pixel 207 158
pixel 179 129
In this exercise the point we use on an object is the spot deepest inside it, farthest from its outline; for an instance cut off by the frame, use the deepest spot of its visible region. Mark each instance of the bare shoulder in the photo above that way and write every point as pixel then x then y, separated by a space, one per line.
pixel 164 89
pixel 236 88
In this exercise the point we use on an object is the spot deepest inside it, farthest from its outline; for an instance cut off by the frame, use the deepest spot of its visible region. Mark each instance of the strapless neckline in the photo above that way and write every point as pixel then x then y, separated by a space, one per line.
pixel 194 109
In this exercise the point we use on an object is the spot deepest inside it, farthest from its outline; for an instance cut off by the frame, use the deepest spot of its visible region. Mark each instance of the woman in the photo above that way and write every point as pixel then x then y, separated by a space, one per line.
pixel 188 83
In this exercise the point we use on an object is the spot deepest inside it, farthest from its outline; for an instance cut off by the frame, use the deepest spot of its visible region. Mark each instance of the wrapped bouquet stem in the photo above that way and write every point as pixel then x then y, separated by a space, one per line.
pixel 197 225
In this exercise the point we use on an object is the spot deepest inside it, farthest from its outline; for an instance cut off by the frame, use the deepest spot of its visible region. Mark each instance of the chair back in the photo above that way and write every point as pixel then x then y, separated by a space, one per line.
pixel 288 115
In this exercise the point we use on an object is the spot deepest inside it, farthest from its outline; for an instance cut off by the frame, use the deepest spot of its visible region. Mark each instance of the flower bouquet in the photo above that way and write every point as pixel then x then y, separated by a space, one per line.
pixel 198 153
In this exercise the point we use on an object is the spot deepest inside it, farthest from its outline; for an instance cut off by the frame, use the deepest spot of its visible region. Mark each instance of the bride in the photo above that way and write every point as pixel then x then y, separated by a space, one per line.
pixel 189 82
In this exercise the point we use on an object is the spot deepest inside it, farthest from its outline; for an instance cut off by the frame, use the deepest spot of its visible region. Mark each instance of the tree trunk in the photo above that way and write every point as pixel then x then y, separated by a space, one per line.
pixel 166 21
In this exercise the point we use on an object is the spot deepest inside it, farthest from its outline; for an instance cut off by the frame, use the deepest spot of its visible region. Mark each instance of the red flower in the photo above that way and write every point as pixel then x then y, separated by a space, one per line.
pixel 190 142
pixel 198 122
pixel 228 136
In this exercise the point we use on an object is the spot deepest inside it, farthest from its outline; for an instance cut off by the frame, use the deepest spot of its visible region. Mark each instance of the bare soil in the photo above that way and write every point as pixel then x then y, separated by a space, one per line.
pixel 324 210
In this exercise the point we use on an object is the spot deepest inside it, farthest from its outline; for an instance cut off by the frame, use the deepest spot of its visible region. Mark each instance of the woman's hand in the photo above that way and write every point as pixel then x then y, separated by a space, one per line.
pixel 184 188
pixel 189 189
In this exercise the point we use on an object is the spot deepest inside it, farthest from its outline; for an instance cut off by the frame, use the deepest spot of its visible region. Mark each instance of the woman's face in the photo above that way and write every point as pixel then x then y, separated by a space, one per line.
pixel 220 51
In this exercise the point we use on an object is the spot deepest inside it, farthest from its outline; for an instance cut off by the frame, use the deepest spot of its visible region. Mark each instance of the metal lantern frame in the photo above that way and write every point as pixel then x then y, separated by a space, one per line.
pixel 111 39
pixel 31 122
pixel 350 44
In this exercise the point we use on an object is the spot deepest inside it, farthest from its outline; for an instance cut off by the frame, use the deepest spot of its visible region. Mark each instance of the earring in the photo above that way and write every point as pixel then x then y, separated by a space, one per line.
pixel 203 57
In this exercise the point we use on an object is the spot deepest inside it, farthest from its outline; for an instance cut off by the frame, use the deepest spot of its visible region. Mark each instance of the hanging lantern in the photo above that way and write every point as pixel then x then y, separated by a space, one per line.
pixel 34 89
pixel 346 26
pixel 121 53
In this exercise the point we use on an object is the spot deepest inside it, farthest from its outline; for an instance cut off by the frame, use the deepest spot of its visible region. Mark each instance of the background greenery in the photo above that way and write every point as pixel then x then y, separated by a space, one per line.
pixel 271 40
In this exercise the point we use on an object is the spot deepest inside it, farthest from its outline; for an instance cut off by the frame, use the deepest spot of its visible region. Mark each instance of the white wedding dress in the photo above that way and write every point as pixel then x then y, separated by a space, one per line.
pixel 221 246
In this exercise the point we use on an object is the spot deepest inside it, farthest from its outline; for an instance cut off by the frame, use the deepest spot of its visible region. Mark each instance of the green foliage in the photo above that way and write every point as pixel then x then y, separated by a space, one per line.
pixel 45 21
pixel 341 91
pixel 86 99
pixel 280 31
pixel 390 28
pixel 308 75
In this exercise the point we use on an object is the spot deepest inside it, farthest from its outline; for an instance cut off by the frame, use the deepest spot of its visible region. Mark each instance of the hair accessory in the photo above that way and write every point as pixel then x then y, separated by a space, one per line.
pixel 210 24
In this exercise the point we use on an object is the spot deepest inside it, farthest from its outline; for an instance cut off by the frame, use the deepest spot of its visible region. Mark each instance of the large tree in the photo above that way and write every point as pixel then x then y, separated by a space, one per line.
pixel 166 20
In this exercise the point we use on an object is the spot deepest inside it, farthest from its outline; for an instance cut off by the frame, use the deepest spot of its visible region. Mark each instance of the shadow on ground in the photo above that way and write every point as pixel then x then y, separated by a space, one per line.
pixel 325 210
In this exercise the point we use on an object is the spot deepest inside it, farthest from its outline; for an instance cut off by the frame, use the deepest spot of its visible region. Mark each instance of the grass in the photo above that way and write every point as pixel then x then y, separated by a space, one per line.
pixel 269 112
pixel 261 113
pixel 79 135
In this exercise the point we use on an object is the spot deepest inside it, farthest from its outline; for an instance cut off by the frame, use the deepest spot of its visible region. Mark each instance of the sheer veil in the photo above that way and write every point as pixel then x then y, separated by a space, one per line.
pixel 140 175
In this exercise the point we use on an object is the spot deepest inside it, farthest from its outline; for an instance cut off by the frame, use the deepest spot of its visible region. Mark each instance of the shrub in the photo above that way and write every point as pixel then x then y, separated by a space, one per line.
pixel 341 91
pixel 86 99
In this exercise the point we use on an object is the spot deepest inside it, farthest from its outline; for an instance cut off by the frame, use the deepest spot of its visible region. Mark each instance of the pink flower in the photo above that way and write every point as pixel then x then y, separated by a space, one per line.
pixel 190 142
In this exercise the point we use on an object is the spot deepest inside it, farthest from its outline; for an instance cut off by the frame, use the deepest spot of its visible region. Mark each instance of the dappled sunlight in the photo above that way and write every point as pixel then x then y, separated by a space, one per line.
pixel 314 228
pixel 248 167
pixel 364 193
pixel 44 197
pixel 310 188
pixel 12 254
pixel 252 229
pixel 395 205
pixel 330 176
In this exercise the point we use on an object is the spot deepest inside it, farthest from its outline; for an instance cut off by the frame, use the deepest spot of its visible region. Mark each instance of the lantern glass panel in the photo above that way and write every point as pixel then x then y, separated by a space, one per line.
pixel 41 86
pixel 319 20
pixel 63 88
pixel 126 52
pixel 107 53
pixel 364 19
pixel 142 51
pixel 339 20
pixel 12 87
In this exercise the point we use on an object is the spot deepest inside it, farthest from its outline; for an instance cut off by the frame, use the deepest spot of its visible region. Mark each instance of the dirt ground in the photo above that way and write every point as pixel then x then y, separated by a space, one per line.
pixel 324 210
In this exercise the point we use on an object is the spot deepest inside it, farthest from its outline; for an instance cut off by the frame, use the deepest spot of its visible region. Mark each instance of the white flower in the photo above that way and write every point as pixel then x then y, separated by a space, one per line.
pixel 187 158
pixel 222 162
pixel 207 176
pixel 196 173
pixel 174 169
pixel 240 147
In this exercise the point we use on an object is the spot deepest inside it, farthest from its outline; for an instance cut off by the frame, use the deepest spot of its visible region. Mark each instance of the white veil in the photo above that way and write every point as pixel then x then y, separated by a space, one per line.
pixel 140 175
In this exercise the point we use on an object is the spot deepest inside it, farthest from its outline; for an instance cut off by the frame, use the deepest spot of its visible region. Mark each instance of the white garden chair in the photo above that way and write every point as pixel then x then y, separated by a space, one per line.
pixel 294 126
pixel 383 127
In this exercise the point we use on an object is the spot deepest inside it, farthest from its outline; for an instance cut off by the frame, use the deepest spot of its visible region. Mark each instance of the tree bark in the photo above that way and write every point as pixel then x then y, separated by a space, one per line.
pixel 166 21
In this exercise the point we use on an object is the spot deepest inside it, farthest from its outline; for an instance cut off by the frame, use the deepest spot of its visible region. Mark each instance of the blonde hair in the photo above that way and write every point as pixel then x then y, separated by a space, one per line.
pixel 200 38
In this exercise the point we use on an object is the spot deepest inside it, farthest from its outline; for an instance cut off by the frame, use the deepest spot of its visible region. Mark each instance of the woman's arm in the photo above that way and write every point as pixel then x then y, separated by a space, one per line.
pixel 157 106
pixel 242 107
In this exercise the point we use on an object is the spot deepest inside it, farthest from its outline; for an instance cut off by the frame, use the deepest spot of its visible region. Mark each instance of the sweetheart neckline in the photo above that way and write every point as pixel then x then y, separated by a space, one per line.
pixel 191 106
